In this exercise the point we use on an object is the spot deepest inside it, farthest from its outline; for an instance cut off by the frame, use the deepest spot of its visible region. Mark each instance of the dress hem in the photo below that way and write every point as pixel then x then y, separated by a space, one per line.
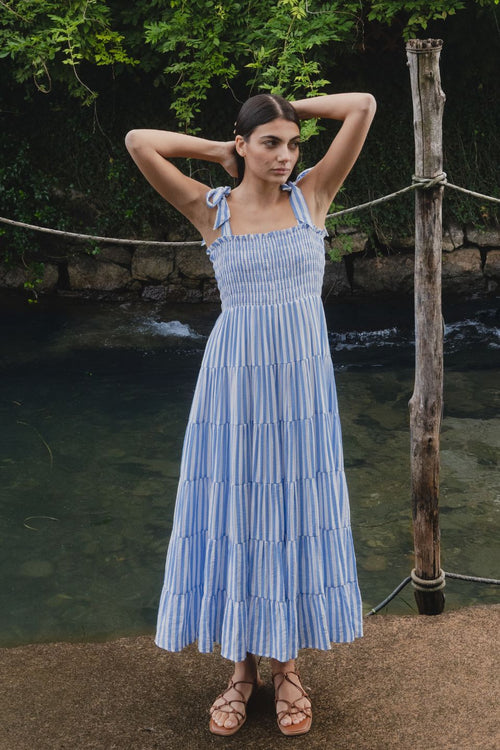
pixel 357 635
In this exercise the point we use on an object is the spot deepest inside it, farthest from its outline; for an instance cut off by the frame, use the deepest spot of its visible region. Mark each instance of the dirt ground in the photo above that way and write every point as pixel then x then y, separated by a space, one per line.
pixel 412 683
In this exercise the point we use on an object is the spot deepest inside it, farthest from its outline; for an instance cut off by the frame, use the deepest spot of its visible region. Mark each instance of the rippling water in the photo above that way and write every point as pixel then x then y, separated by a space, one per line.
pixel 94 405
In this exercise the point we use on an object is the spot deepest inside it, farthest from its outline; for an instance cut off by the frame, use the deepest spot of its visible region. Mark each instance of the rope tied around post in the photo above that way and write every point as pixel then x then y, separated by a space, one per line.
pixel 425 183
pixel 426 584
pixel 444 573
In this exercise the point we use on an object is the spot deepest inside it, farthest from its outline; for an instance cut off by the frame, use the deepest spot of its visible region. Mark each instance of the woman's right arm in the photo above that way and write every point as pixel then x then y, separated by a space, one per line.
pixel 151 151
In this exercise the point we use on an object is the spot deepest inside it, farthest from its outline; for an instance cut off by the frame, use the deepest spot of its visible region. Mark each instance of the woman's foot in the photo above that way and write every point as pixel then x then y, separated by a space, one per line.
pixel 228 712
pixel 293 707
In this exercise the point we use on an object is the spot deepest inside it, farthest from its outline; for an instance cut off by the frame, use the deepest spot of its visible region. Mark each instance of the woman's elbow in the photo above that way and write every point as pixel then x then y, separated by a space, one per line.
pixel 133 140
pixel 369 104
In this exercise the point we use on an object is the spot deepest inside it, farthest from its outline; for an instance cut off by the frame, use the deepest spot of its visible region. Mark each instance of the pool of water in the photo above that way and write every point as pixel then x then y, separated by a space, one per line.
pixel 94 403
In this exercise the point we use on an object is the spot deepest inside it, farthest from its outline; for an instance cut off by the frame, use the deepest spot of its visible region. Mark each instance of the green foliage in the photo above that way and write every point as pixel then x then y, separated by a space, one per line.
pixel 415 15
pixel 192 46
pixel 275 46
pixel 348 223
pixel 46 38
pixel 25 194
pixel 35 279
pixel 281 46
pixel 195 38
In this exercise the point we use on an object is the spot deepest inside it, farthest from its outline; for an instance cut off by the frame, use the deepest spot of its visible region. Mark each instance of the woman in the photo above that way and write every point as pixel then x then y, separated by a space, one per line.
pixel 261 558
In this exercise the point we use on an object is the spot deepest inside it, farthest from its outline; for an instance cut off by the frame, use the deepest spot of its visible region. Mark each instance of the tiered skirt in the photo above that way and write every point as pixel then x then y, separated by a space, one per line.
pixel 261 556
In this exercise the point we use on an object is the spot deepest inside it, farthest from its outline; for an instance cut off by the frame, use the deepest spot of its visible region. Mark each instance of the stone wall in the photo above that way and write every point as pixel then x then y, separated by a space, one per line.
pixel 471 268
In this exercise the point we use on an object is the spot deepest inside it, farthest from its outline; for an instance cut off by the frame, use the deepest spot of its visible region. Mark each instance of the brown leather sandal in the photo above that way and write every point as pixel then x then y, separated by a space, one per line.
pixel 232 710
pixel 302 726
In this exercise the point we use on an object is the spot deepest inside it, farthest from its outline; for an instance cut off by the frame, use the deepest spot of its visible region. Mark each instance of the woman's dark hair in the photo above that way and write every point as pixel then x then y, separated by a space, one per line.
pixel 257 111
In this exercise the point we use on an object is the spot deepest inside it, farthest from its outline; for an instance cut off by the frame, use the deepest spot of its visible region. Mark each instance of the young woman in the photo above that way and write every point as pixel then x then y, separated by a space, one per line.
pixel 261 557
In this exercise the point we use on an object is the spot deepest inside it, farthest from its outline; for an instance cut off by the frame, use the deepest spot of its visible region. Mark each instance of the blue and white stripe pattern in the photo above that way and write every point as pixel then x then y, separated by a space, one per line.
pixel 261 556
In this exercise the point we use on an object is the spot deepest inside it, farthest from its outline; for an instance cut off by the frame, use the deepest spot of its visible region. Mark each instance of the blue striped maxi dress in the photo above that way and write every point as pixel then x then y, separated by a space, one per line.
pixel 261 556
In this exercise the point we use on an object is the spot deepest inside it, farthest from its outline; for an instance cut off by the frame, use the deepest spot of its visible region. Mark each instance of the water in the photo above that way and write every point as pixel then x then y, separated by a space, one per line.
pixel 93 407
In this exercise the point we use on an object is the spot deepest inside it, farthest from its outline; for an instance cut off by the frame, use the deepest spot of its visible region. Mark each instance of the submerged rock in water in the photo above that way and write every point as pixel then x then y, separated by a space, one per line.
pixel 373 563
pixel 36 568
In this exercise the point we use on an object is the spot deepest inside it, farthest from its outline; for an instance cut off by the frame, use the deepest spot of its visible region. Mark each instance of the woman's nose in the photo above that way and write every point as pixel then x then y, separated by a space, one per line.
pixel 283 154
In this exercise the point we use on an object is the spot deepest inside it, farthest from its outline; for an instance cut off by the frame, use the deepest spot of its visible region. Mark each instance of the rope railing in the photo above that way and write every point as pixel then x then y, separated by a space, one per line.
pixel 440 580
pixel 93 237
pixel 424 183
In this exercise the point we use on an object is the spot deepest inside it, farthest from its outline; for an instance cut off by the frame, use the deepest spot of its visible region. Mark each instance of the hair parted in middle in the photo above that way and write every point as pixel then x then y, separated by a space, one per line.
pixel 256 111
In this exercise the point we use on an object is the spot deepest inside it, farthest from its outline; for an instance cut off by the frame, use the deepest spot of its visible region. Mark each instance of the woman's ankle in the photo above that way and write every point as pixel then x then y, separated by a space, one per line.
pixel 246 669
pixel 282 666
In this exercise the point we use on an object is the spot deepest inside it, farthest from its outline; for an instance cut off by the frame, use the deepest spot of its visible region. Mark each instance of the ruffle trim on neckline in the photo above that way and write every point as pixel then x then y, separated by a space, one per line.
pixel 248 238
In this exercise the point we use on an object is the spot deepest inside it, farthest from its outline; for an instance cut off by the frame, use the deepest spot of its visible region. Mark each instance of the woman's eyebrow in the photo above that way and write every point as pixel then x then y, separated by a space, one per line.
pixel 277 138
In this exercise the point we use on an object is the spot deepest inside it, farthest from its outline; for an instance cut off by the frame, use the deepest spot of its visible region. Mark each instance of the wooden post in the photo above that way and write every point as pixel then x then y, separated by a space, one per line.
pixel 427 399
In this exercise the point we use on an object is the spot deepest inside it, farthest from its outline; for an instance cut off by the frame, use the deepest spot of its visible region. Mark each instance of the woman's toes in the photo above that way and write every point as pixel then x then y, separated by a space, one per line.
pixel 220 717
pixel 224 719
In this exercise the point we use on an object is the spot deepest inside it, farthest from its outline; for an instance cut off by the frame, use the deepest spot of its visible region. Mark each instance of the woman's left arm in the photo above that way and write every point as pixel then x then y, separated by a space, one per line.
pixel 356 111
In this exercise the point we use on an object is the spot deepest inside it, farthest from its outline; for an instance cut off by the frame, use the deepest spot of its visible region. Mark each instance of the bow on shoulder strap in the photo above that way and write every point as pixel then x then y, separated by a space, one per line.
pixel 216 198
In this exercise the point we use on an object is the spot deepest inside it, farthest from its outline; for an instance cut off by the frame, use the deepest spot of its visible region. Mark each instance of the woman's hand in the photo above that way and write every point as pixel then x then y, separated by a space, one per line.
pixel 228 158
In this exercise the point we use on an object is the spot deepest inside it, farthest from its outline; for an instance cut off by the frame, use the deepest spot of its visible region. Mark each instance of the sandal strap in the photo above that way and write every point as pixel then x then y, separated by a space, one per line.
pixel 292 709
pixel 284 676
pixel 233 709
pixel 292 705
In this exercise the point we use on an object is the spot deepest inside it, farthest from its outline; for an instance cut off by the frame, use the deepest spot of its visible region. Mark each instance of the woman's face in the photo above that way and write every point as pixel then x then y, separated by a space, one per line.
pixel 271 151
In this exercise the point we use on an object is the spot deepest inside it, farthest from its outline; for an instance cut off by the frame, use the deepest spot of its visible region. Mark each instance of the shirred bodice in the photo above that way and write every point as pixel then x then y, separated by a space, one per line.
pixel 267 268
